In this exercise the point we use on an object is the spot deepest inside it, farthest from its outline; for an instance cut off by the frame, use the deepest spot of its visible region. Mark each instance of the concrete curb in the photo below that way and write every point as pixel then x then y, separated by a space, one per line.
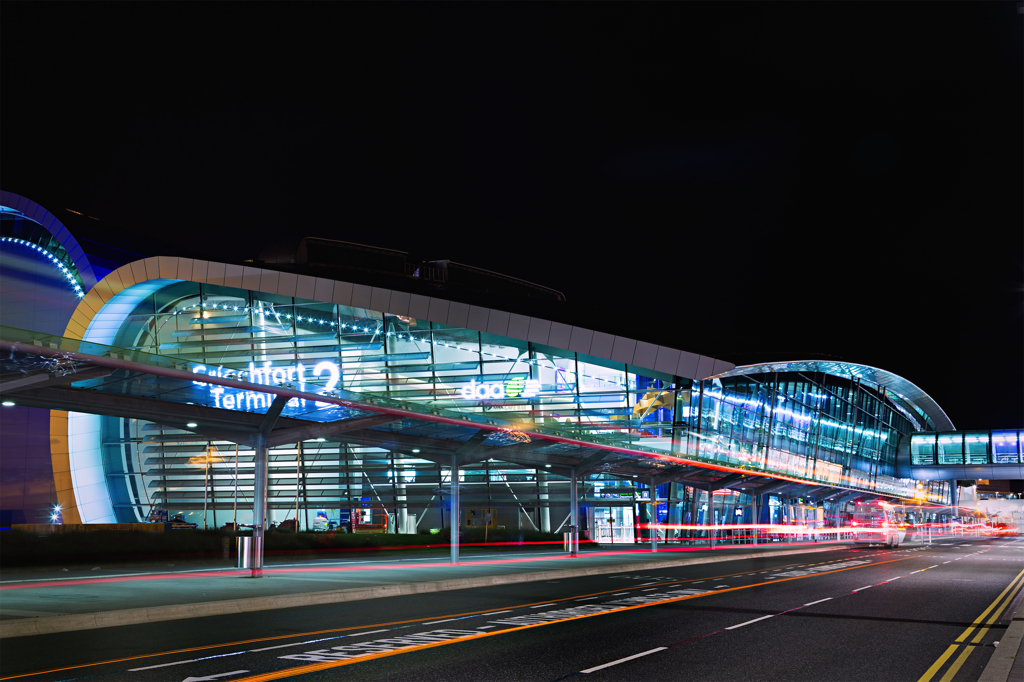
pixel 106 619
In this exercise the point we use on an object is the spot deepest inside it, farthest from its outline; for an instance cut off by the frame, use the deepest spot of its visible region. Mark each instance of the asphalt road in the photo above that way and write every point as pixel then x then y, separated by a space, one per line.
pixel 849 614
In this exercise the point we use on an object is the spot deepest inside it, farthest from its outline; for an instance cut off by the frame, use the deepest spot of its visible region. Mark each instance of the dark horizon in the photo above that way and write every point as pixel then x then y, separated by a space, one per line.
pixel 827 180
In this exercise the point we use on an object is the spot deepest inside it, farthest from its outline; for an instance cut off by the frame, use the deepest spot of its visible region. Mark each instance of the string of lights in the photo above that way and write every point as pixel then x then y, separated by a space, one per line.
pixel 68 273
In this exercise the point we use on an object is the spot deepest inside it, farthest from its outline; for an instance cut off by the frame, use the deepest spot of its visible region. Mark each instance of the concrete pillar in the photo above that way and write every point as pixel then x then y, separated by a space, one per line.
pixel 259 506
pixel 403 508
pixel 574 516
pixel 545 510
pixel 456 513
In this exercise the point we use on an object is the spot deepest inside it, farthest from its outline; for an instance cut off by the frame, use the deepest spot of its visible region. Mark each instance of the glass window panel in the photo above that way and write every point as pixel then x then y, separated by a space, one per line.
pixel 1005 447
pixel 951 448
pixel 598 379
pixel 976 446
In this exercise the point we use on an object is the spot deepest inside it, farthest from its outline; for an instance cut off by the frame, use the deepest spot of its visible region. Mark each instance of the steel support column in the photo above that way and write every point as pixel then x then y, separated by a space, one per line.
pixel 261 448
pixel 259 503
pixel 574 516
pixel 455 512
pixel 652 516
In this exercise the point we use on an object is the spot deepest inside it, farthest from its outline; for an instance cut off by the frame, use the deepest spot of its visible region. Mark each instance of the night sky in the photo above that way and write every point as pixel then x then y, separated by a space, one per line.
pixel 760 181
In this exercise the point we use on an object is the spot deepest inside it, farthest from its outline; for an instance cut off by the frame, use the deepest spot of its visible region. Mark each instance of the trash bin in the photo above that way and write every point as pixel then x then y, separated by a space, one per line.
pixel 245 551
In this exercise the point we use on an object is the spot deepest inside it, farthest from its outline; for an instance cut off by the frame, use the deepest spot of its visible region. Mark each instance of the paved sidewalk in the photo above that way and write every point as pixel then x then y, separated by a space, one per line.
pixel 105 598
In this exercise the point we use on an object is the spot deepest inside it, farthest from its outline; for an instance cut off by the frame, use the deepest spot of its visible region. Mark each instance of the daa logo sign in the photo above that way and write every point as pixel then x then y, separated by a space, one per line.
pixel 518 387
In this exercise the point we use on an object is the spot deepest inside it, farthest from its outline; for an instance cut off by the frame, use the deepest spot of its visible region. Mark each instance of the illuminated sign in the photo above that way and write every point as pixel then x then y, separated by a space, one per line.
pixel 299 375
pixel 518 387
pixel 267 375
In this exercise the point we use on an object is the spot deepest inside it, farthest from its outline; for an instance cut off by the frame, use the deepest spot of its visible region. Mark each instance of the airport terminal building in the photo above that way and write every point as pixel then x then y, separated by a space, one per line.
pixel 143 384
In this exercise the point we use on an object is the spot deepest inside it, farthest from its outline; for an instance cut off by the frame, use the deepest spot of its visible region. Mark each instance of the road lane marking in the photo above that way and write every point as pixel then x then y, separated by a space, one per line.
pixel 587 598
pixel 930 673
pixel 623 660
pixel 316 667
pixel 355 627
pixel 998 612
pixel 863 588
pixel 486 627
pixel 446 620
pixel 271 648
pixel 819 601
pixel 540 606
pixel 979 619
pixel 733 627
pixel 619 594
pixel 953 669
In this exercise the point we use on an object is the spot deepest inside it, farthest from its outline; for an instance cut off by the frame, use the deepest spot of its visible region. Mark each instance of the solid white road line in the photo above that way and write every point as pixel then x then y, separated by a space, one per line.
pixel 623 660
pixel 819 601
pixel 750 621
pixel 279 646
pixel 162 665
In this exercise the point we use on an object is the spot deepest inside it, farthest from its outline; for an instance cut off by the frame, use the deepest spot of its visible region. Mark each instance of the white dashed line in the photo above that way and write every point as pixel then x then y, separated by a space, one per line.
pixel 750 621
pixel 446 620
pixel 586 599
pixel 494 613
pixel 819 601
pixel 487 627
pixel 619 594
pixel 863 588
pixel 622 660
pixel 538 606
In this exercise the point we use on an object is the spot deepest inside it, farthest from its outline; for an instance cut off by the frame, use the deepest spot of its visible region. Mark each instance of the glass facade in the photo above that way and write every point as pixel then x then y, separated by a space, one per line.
pixel 809 426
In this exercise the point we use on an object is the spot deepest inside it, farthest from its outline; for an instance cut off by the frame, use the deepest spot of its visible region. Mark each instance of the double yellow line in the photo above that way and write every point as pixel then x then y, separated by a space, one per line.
pixel 982 626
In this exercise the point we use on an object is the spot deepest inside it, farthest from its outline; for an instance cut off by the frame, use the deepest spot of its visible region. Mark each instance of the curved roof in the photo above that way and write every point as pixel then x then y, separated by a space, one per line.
pixel 648 356
pixel 895 385
pixel 37 214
